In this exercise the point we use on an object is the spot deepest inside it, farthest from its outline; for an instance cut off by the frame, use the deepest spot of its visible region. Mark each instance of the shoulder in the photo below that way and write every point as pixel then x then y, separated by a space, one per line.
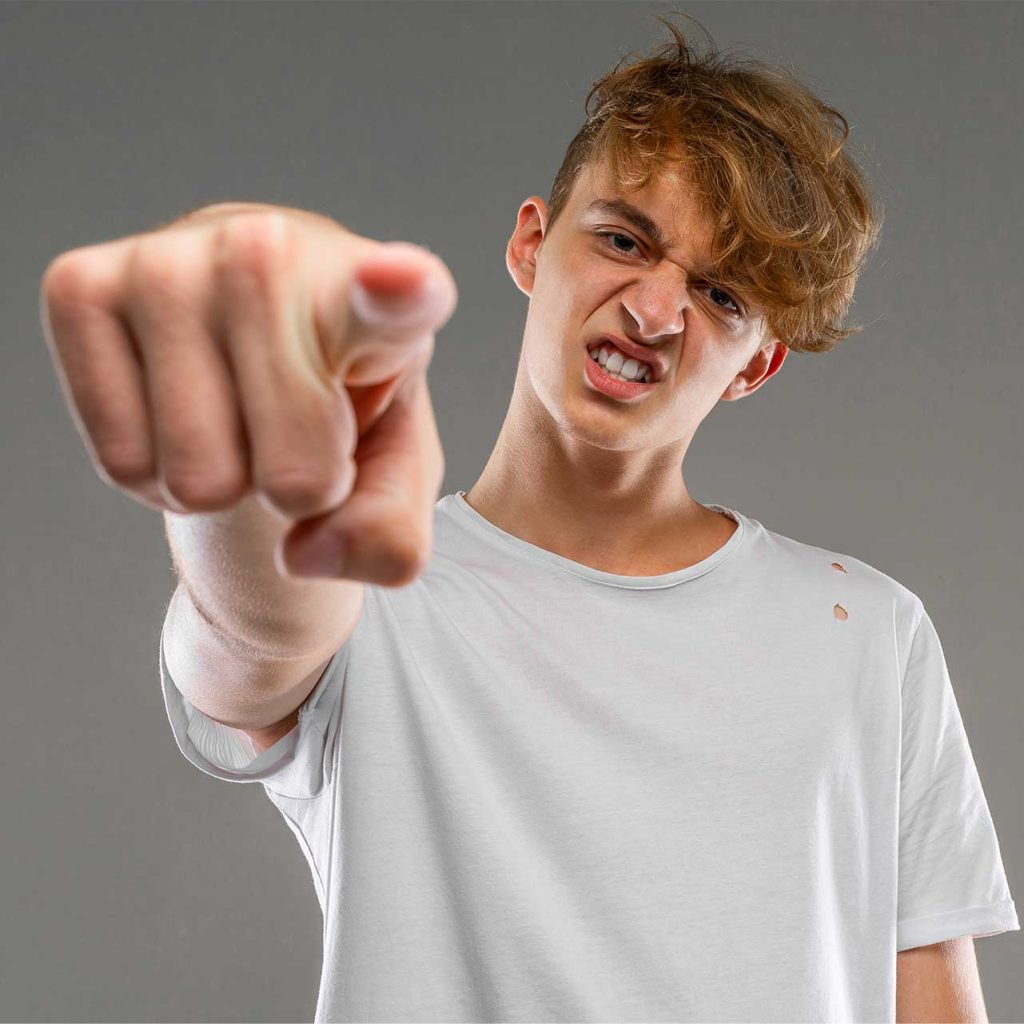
pixel 843 573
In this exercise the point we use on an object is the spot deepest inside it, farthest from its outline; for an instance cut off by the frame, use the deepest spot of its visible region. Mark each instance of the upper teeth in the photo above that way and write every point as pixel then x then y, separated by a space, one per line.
pixel 617 365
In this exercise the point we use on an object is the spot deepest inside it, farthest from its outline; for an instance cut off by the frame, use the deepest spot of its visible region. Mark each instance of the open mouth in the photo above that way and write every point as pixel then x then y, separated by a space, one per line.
pixel 602 381
pixel 618 366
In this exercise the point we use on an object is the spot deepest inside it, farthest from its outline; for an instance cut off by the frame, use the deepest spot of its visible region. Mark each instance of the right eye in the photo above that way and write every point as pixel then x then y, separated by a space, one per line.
pixel 614 235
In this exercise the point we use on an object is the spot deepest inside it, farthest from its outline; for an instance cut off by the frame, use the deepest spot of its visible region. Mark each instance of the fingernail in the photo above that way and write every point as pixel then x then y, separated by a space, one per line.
pixel 387 307
pixel 323 555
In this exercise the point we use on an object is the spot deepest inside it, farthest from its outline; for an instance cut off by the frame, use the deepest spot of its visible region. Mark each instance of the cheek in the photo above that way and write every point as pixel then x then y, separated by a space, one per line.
pixel 701 371
pixel 591 298
pixel 563 305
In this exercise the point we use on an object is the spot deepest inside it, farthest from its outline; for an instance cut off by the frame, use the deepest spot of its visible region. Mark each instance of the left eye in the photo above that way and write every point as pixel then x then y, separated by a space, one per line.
pixel 734 311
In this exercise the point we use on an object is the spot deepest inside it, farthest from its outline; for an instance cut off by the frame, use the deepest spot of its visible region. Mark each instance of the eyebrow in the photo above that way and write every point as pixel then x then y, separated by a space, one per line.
pixel 627 211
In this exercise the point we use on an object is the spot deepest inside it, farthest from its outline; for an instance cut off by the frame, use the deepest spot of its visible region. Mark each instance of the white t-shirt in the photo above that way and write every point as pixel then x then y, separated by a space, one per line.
pixel 530 790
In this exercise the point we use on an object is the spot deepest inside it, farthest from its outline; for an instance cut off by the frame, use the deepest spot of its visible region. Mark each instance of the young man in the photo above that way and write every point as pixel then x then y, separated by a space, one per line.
pixel 614 754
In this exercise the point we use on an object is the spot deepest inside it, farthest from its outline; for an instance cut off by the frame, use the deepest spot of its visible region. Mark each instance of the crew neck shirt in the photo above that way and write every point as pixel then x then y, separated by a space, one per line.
pixel 532 790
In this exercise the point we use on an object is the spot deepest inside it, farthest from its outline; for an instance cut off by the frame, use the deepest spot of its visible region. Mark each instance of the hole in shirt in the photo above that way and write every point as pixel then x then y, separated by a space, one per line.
pixel 840 612
pixel 836 565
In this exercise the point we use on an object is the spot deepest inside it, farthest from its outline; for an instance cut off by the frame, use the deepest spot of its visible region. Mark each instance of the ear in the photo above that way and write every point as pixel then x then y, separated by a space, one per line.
pixel 765 363
pixel 523 246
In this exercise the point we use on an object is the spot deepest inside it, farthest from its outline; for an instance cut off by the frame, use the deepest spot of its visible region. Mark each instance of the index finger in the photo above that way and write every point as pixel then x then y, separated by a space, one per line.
pixel 383 531
pixel 383 315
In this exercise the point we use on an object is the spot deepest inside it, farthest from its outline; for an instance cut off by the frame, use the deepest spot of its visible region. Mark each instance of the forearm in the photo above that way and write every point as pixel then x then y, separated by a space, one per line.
pixel 224 679
pixel 238 635
pixel 225 560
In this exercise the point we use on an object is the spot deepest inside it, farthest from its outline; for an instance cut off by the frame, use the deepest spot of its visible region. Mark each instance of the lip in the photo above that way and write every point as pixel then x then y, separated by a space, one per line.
pixel 655 360
pixel 600 381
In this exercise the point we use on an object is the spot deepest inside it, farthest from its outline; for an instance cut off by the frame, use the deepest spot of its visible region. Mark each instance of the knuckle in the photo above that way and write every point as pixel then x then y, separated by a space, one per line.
pixel 74 278
pixel 203 490
pixel 409 557
pixel 295 488
pixel 256 245
pixel 183 447
pixel 162 263
pixel 123 464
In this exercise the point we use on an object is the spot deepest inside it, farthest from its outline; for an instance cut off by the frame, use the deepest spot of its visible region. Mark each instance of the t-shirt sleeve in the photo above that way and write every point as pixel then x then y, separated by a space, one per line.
pixel 951 877
pixel 298 765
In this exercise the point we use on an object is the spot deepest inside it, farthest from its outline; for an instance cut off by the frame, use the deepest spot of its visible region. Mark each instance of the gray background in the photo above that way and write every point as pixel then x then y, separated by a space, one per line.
pixel 137 888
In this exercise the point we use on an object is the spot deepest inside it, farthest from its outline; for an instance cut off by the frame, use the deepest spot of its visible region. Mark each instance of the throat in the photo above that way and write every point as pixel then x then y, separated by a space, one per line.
pixel 688 550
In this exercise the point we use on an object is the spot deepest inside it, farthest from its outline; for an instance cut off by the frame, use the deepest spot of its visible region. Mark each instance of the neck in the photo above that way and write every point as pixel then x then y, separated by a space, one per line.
pixel 625 512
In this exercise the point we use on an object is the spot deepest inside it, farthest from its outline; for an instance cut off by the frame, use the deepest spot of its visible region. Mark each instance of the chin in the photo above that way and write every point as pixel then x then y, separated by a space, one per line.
pixel 592 425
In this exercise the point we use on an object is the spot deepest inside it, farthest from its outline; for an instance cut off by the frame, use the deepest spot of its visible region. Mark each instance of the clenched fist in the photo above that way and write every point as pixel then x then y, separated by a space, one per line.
pixel 255 349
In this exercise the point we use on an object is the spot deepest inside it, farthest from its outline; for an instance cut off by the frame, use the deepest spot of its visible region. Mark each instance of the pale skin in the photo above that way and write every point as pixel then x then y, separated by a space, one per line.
pixel 614 497
pixel 939 982
pixel 609 471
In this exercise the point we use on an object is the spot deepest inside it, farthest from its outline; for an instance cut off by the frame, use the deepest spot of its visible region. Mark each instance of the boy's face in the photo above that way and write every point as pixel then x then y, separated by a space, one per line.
pixel 583 285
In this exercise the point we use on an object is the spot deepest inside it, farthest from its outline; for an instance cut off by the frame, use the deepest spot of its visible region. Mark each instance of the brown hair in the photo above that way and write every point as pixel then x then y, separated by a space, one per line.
pixel 794 216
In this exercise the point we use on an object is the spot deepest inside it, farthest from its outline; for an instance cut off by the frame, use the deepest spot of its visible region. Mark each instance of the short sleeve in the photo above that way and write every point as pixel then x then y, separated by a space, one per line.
pixel 298 765
pixel 951 877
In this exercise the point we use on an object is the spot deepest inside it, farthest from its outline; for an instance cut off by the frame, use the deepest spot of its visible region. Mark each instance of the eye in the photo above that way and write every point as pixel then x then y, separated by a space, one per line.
pixel 735 311
pixel 615 234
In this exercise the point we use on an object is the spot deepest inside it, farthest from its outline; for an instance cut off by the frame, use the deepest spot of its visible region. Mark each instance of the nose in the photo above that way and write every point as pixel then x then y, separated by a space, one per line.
pixel 657 303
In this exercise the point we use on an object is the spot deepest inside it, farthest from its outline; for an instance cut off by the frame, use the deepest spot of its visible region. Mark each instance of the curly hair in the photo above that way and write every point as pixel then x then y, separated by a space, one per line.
pixel 794 216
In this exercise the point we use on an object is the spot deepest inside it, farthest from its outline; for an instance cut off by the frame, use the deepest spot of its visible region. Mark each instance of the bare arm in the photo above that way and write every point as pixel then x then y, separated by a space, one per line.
pixel 939 982
pixel 241 640
pixel 259 375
